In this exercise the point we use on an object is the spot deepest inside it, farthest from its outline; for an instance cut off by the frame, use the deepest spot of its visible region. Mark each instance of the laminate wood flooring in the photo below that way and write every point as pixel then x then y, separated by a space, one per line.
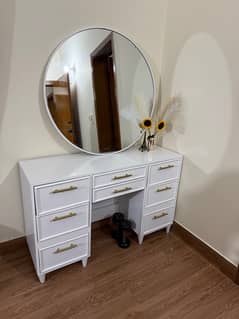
pixel 163 278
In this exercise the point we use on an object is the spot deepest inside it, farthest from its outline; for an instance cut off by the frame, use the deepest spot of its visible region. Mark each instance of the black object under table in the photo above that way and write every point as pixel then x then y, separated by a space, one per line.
pixel 121 226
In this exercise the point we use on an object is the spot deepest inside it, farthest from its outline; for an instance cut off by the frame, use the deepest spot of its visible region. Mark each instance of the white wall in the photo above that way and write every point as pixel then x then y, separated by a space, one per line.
pixel 26 131
pixel 201 63
pixel 7 20
pixel 134 88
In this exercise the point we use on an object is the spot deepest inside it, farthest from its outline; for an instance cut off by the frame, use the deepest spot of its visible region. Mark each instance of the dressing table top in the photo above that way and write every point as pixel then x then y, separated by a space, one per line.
pixel 62 167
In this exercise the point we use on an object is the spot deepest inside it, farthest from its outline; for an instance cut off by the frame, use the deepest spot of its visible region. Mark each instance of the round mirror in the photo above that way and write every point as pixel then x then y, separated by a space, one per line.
pixel 98 86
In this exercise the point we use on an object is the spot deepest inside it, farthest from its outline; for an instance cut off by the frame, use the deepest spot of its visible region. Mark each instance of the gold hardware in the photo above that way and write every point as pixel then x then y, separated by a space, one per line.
pixel 116 191
pixel 160 216
pixel 163 189
pixel 121 177
pixel 71 188
pixel 165 167
pixel 61 250
pixel 56 219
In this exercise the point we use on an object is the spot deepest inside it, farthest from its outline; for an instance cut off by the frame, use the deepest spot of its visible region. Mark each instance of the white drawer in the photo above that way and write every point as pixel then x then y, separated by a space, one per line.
pixel 158 219
pixel 118 176
pixel 152 209
pixel 64 253
pixel 118 190
pixel 164 171
pixel 60 195
pixel 63 221
pixel 158 193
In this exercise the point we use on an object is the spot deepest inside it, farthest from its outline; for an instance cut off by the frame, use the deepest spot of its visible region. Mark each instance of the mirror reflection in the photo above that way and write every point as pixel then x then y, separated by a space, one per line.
pixel 98 87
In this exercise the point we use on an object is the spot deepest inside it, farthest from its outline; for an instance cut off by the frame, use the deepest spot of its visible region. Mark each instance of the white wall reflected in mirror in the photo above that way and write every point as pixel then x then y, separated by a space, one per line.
pixel 108 85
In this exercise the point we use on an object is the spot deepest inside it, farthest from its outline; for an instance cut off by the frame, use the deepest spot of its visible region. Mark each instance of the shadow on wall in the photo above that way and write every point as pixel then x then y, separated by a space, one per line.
pixel 203 79
pixel 7 17
pixel 11 207
pixel 207 202
pixel 7 233
pixel 206 206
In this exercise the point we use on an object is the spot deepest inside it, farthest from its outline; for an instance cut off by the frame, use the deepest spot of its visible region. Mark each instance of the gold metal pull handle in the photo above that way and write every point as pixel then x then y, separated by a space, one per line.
pixel 165 167
pixel 68 189
pixel 58 218
pixel 62 250
pixel 159 190
pixel 160 216
pixel 116 191
pixel 122 176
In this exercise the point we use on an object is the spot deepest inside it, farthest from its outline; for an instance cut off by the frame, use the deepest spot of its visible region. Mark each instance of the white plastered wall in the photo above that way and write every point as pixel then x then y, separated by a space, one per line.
pixel 33 29
pixel 201 64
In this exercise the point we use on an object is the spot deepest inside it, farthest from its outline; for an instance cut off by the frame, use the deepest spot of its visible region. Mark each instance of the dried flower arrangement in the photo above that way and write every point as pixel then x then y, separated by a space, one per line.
pixel 158 127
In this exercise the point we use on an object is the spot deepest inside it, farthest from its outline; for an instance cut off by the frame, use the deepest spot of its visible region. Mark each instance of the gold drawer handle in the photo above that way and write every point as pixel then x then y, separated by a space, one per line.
pixel 122 176
pixel 58 218
pixel 62 250
pixel 160 216
pixel 116 191
pixel 159 190
pixel 165 167
pixel 68 189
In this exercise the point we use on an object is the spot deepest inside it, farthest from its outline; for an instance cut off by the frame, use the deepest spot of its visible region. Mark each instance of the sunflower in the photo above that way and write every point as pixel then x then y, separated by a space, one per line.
pixel 146 123
pixel 160 126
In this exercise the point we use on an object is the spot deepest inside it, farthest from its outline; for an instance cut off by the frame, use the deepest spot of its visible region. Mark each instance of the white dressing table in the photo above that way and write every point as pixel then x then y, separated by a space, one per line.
pixel 98 89
pixel 63 195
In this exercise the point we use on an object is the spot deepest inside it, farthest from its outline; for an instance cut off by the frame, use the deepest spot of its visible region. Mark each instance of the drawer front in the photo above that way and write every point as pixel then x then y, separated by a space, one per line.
pixel 164 171
pixel 118 176
pixel 64 253
pixel 161 192
pixel 52 197
pixel 151 209
pixel 63 221
pixel 158 219
pixel 118 190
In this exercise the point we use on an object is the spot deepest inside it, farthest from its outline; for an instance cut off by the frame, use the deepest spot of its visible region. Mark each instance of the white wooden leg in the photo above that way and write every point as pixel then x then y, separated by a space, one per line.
pixel 42 278
pixel 168 229
pixel 84 262
pixel 140 238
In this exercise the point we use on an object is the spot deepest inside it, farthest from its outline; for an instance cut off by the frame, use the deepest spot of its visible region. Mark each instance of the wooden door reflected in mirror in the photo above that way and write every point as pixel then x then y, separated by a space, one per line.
pixel 106 107
pixel 62 110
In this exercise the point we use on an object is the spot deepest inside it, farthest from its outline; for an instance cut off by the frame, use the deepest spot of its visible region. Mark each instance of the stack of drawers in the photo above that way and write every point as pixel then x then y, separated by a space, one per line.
pixel 58 208
pixel 62 223
pixel 121 182
pixel 160 197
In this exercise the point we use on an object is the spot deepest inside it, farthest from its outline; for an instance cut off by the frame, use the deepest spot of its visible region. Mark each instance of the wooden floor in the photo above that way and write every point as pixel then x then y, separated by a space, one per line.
pixel 163 278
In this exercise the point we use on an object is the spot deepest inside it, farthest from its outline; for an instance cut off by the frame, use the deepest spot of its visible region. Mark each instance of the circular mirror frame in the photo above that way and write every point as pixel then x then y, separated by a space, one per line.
pixel 45 97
